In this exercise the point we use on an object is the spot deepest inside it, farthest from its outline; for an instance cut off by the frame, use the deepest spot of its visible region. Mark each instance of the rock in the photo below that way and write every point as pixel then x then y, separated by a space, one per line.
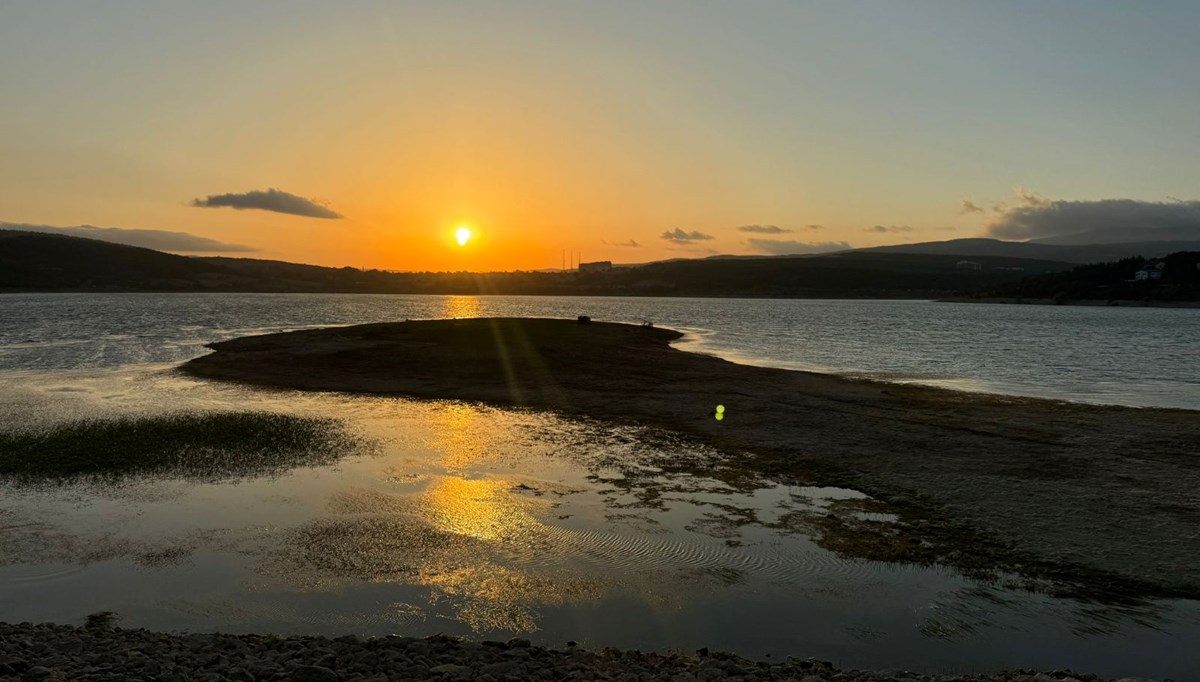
pixel 517 642
pixel 313 673
pixel 449 669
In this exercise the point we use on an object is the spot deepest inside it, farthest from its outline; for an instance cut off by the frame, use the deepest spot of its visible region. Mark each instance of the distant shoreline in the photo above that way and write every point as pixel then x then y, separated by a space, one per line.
pixel 933 297
pixel 981 482
pixel 1088 303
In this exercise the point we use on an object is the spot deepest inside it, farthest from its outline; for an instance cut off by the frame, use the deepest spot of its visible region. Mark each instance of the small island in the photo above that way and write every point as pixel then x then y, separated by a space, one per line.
pixel 1076 499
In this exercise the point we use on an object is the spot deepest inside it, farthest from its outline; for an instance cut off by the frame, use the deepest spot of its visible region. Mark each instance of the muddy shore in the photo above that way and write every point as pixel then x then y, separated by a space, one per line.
pixel 1077 499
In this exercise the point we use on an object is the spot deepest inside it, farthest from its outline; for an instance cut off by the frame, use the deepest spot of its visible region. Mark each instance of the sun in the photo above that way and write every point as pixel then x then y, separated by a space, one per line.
pixel 462 235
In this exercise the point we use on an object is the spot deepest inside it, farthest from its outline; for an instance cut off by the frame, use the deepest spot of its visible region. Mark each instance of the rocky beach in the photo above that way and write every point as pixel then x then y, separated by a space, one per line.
pixel 102 653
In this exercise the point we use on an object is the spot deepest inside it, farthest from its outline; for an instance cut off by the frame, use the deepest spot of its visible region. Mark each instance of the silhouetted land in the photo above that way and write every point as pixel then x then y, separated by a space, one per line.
pixel 44 262
pixel 1175 278
pixel 1081 499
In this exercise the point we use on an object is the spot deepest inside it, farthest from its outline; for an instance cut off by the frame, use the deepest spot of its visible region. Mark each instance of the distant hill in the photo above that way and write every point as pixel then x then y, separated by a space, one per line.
pixel 34 260
pixel 1044 249
pixel 47 262
pixel 1174 278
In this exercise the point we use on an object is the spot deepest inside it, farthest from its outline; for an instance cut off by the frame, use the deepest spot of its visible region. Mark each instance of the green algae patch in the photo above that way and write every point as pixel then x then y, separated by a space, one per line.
pixel 204 445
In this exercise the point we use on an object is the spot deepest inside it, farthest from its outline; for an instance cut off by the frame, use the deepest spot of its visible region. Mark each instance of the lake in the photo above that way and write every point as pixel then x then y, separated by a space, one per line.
pixel 489 523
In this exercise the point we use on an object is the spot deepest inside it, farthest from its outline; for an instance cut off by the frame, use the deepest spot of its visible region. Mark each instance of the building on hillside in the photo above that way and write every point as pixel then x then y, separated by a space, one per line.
pixel 968 265
pixel 597 266
pixel 1153 270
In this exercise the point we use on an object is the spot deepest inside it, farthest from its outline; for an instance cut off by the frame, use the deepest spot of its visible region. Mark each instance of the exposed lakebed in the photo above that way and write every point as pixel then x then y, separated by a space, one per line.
pixel 487 522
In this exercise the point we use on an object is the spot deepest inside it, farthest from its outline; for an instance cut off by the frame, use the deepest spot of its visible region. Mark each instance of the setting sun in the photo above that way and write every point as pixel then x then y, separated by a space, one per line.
pixel 462 235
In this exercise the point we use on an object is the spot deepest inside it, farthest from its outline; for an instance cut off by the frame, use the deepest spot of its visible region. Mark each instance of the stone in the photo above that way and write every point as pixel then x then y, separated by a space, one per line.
pixel 313 673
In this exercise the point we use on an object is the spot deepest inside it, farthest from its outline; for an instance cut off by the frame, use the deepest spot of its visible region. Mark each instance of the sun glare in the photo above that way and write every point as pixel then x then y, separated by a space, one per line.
pixel 462 235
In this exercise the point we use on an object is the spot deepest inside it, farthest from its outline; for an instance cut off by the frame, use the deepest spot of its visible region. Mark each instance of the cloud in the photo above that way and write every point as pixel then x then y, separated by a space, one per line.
pixel 814 227
pixel 890 228
pixel 792 247
pixel 160 240
pixel 680 237
pixel 763 229
pixel 271 200
pixel 968 206
pixel 631 243
pixel 1035 217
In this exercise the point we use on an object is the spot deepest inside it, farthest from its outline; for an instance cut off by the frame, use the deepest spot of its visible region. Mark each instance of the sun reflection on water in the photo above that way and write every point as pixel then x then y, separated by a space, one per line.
pixel 462 306
pixel 483 509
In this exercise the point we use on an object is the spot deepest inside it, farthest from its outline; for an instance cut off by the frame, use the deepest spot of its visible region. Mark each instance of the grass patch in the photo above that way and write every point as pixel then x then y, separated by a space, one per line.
pixel 205 445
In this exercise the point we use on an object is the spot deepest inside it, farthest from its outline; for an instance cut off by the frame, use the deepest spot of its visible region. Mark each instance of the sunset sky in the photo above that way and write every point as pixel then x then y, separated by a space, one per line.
pixel 628 131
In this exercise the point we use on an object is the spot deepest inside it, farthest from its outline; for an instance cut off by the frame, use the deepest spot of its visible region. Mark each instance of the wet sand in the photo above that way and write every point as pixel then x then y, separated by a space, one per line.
pixel 1080 499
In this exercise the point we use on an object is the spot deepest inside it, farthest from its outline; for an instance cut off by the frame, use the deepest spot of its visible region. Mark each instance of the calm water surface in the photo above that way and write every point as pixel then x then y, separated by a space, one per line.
pixel 488 522
pixel 1127 356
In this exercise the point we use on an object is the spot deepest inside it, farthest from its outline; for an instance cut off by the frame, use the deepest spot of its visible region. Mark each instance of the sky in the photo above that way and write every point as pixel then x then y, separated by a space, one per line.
pixel 365 133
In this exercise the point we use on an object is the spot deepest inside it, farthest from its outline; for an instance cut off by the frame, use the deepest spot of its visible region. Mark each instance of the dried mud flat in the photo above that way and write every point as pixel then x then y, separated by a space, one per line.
pixel 1077 499
pixel 62 652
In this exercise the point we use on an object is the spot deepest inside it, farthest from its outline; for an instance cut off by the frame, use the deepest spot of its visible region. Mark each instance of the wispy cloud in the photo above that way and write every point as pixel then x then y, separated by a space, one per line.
pixel 1032 216
pixel 968 206
pixel 763 229
pixel 161 240
pixel 631 243
pixel 680 237
pixel 889 228
pixel 269 200
pixel 792 247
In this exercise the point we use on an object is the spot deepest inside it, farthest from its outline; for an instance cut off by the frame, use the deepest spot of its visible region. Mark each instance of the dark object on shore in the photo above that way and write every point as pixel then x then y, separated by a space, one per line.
pixel 584 319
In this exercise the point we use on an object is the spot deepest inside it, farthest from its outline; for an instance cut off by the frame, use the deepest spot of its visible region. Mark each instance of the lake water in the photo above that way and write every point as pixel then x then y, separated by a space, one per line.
pixel 490 523
pixel 1126 356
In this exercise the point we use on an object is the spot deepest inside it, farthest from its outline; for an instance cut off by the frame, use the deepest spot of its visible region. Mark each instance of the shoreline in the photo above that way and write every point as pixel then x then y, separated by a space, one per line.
pixel 1088 303
pixel 984 483
pixel 99 651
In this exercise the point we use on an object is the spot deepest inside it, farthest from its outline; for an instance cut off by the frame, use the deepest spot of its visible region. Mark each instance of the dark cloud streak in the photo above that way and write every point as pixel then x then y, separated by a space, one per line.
pixel 791 247
pixel 680 237
pixel 763 229
pixel 269 200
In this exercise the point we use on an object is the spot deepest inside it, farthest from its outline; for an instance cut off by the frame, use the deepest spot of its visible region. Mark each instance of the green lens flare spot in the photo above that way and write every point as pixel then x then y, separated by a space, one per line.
pixel 720 409
pixel 720 416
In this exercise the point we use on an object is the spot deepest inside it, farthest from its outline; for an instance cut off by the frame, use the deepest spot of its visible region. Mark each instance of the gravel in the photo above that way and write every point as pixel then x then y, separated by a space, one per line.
pixel 101 652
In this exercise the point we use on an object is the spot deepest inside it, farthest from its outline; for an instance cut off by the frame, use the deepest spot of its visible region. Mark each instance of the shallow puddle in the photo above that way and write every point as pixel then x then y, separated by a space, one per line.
pixel 471 520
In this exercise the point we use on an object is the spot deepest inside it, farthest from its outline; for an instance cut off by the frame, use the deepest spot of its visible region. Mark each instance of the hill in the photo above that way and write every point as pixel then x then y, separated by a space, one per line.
pixel 33 260
pixel 1172 279
pixel 46 262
